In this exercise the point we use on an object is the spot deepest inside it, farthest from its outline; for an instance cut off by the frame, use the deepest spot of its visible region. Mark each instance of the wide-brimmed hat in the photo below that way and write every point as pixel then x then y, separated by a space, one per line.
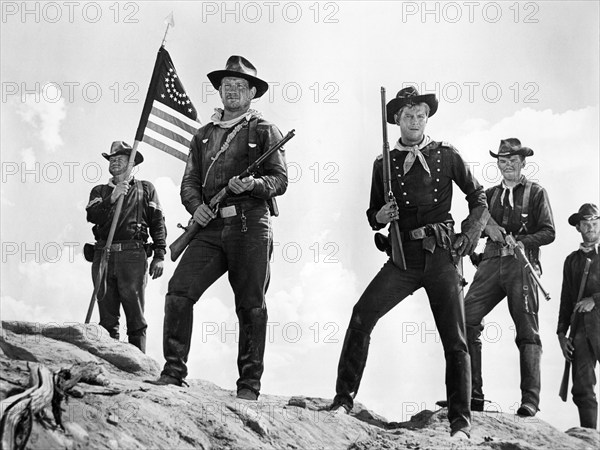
pixel 239 67
pixel 588 211
pixel 123 148
pixel 410 96
pixel 511 146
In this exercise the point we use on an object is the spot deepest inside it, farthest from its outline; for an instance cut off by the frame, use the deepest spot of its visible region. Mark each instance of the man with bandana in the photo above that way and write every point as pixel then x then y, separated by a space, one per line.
pixel 423 171
pixel 582 347
pixel 521 208
pixel 237 237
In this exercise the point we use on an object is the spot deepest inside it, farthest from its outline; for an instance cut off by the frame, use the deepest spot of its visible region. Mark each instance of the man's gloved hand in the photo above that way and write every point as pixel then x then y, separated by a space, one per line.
pixel 156 268
pixel 239 185
pixel 465 242
pixel 203 215
pixel 120 189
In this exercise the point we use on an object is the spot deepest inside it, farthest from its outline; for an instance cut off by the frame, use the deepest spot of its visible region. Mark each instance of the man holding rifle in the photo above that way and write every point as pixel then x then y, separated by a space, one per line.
pixel 422 172
pixel 580 311
pixel 124 278
pixel 236 235
pixel 519 208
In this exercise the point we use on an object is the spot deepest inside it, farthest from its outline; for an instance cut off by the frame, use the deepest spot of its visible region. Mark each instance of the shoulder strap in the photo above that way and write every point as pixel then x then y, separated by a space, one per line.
pixel 523 208
pixel 140 207
pixel 252 140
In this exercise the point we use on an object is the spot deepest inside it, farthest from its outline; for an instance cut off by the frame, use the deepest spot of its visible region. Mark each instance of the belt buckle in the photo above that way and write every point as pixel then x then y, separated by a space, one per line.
pixel 228 211
pixel 417 233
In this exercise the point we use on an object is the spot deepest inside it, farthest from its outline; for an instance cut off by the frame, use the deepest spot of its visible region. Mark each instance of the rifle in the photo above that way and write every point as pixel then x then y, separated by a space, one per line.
pixel 395 236
pixel 181 243
pixel 510 240
pixel 564 385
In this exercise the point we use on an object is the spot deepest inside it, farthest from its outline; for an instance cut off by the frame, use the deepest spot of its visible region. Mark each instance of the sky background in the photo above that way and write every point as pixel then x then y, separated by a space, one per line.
pixel 74 77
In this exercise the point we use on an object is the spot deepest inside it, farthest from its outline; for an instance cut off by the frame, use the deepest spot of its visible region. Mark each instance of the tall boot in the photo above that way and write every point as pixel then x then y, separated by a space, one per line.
pixel 458 391
pixel 588 417
pixel 251 349
pixel 474 343
pixel 351 366
pixel 530 358
pixel 139 341
pixel 177 335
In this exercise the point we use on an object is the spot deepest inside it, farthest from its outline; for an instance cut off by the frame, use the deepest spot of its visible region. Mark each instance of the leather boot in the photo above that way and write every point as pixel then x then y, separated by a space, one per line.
pixel 588 417
pixel 251 349
pixel 474 344
pixel 177 335
pixel 351 366
pixel 138 341
pixel 530 358
pixel 458 391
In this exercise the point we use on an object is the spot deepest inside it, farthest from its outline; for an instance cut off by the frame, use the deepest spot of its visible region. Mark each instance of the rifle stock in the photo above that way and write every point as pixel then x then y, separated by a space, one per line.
pixel 395 236
pixel 181 243
pixel 510 240
pixel 564 384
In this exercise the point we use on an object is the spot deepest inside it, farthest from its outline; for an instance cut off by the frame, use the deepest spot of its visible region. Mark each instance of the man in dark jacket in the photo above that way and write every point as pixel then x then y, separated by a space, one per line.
pixel 423 171
pixel 521 208
pixel 141 216
pixel 237 237
pixel 582 347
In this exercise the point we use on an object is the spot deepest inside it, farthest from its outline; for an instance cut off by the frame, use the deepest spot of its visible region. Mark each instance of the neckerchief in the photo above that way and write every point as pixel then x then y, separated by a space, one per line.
pixel 588 249
pixel 238 122
pixel 414 152
pixel 509 189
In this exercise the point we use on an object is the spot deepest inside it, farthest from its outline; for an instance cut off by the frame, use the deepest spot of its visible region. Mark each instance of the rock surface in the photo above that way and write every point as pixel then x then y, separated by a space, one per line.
pixel 129 413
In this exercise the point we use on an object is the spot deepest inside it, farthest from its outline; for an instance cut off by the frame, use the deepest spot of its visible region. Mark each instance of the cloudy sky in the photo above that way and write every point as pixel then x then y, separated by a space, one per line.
pixel 74 77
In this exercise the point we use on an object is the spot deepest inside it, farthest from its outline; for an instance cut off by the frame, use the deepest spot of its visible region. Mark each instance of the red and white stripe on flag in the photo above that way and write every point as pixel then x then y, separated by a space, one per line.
pixel 169 118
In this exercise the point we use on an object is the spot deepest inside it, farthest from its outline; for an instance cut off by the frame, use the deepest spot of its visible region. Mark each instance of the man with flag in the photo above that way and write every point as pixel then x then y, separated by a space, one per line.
pixel 123 280
pixel 236 237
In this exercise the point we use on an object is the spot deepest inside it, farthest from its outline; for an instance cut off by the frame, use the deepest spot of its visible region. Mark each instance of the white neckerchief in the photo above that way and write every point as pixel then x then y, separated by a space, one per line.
pixel 587 249
pixel 216 118
pixel 414 152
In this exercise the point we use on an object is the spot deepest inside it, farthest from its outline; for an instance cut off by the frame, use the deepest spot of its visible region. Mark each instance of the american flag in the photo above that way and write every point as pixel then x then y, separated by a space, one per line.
pixel 169 119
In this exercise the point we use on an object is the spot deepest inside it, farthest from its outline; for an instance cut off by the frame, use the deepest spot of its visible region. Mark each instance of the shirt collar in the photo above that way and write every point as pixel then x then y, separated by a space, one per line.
pixel 112 184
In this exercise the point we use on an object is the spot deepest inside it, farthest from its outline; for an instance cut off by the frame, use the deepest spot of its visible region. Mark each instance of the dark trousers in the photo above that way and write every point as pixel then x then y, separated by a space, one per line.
pixel 125 285
pixel 585 358
pixel 241 246
pixel 438 275
pixel 495 279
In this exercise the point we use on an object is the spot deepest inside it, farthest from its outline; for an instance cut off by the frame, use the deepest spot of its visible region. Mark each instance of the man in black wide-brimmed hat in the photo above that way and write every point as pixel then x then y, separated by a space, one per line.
pixel 237 237
pixel 521 208
pixel 582 347
pixel 422 174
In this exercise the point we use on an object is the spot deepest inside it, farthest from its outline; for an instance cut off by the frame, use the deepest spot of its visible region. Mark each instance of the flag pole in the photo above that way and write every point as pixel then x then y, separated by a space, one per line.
pixel 170 22
pixel 111 234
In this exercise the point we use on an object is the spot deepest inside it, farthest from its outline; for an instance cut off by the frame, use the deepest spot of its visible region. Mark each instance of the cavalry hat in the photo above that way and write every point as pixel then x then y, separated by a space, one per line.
pixel 511 146
pixel 410 96
pixel 588 211
pixel 123 148
pixel 240 67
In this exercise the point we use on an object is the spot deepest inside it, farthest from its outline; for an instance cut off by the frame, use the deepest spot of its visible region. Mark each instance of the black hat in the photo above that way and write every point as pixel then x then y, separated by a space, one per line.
pixel 123 148
pixel 410 96
pixel 511 146
pixel 239 67
pixel 588 211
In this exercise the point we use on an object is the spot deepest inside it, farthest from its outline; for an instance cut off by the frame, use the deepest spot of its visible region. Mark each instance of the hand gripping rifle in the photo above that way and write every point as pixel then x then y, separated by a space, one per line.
pixel 180 244
pixel 395 237
pixel 564 385
pixel 510 240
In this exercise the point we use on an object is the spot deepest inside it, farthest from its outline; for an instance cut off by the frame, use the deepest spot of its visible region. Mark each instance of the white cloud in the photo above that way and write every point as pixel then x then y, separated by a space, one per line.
pixel 45 111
